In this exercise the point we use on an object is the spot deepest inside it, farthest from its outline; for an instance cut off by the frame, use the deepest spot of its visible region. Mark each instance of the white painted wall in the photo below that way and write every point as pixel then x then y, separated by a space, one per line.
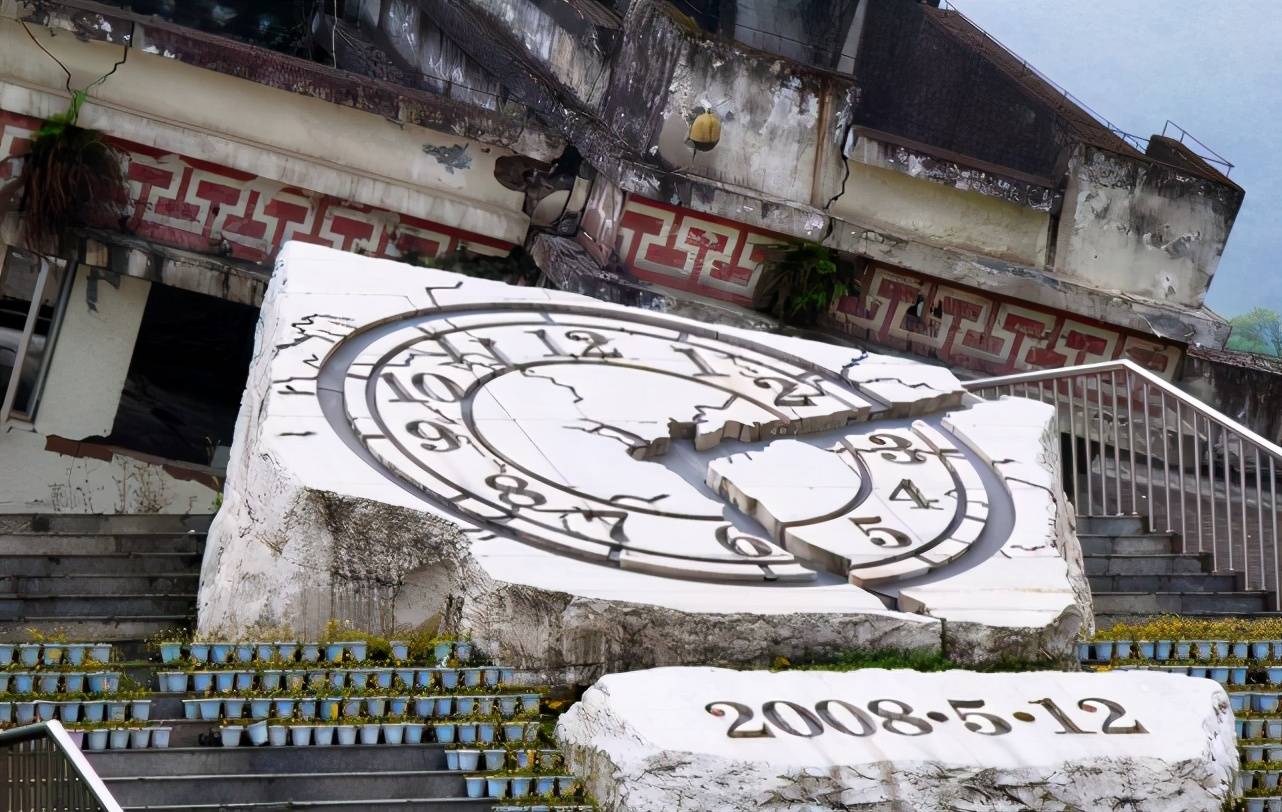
pixel 91 356
pixel 941 215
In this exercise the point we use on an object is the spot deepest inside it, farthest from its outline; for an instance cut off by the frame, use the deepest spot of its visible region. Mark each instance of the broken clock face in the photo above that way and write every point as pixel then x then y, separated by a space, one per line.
pixel 655 445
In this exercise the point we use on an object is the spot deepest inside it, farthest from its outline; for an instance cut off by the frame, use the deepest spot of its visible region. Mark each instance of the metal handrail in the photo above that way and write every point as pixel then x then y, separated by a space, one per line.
pixel 42 769
pixel 1138 445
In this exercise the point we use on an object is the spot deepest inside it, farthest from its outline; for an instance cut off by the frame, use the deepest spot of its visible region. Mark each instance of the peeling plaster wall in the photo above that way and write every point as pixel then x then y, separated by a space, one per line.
pixel 35 480
pixel 933 213
pixel 775 117
pixel 1143 228
pixel 575 50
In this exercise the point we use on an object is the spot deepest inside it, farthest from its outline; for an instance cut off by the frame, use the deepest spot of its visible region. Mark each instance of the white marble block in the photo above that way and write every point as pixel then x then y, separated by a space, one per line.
pixel 712 740
pixel 592 488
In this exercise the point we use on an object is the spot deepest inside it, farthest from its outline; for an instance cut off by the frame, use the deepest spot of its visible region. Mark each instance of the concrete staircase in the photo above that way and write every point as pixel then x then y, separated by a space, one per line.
pixel 122 579
pixel 109 579
pixel 1136 574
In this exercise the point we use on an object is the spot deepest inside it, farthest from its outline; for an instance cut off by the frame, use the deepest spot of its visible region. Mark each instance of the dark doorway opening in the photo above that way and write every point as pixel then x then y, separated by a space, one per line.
pixel 187 376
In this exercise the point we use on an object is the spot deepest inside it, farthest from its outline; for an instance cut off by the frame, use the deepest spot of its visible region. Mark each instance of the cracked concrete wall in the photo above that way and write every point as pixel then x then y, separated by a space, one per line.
pixel 1143 228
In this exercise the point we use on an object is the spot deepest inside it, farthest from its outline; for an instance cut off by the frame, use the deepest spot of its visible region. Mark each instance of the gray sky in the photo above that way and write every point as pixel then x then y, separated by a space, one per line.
pixel 1215 68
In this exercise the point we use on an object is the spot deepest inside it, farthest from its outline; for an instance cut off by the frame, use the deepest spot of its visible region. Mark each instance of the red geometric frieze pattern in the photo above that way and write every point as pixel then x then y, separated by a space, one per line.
pixel 691 251
pixel 975 330
pixel 198 206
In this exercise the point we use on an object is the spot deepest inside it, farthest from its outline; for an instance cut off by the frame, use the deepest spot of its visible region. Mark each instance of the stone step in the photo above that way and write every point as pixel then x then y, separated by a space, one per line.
pixel 172 583
pixel 1135 544
pixel 264 787
pixel 1106 620
pixel 1180 603
pixel 363 805
pixel 49 566
pixel 26 606
pixel 99 629
pixel 90 523
pixel 74 544
pixel 1160 564
pixel 1112 525
pixel 1184 582
pixel 179 761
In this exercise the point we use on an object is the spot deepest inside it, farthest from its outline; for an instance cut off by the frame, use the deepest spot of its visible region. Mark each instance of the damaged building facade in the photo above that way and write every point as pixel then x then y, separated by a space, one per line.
pixel 992 223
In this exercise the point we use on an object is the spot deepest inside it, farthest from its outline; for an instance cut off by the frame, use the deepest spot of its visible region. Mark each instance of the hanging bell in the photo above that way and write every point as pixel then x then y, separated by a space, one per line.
pixel 705 131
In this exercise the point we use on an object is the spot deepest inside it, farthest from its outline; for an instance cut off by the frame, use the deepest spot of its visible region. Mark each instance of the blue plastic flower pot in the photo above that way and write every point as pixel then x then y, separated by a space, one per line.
pixel 286 651
pixel 1238 701
pixel 451 760
pixel 76 652
pixel 400 649
pixel 485 705
pixel 1162 650
pixel 358 679
pixel 494 760
pixel 442 651
pixel 201 681
pixel 310 652
pixel 306 708
pixel 352 707
pixel 1145 648
pixel 233 708
pixel 1220 674
pixel 245 652
pixel 260 709
pixel 1260 650
pixel 405 676
pixel 264 652
pixel 375 706
pixel 24 713
pixel 444 705
pixel 358 649
pixel 467 734
pixel 513 731
pixel 6 654
pixel 463 650
pixel 485 732
pixel 507 676
pixel 224 681
pixel 171 652
pixel 209 709
pixel 471 677
pixel 191 709
pixel 23 683
pixel 29 654
pixel 396 705
pixel 49 682
pixel 1083 651
pixel 334 652
pixel 424 707
pixel 414 732
pixel 1220 648
pixel 1183 649
pixel 269 680
pixel 220 652
pixel 490 677
pixel 382 678
pixel 244 680
pixel 1274 675
pixel 496 787
pixel 93 710
pixel 257 733
pixel 1237 675
pixel 475 785
pixel 545 785
pixel 338 678
pixel 444 732
pixel 327 709
pixel 449 679
pixel 520 786
pixel 1265 703
pixel 284 708
pixel 200 652
pixel 464 705
pixel 423 677
pixel 529 702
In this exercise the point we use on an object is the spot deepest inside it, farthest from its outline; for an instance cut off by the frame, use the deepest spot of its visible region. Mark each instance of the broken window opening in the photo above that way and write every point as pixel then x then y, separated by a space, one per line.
pixel 186 377
pixel 33 296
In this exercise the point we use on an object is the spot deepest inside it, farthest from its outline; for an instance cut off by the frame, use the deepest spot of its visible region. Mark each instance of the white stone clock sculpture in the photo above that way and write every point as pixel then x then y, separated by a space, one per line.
pixel 594 488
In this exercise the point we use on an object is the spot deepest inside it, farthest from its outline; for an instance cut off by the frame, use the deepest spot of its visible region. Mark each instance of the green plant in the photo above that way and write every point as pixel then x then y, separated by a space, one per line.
pixel 71 177
pixel 516 268
pixel 800 281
